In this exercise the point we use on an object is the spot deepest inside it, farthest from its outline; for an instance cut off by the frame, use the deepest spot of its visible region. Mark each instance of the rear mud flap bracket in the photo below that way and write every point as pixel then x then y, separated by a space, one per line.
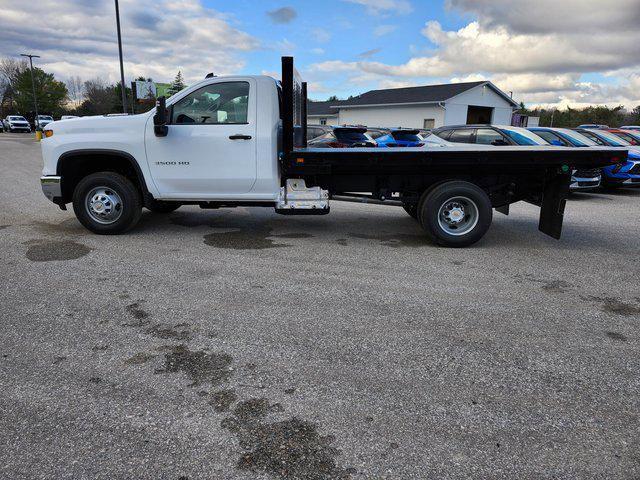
pixel 554 200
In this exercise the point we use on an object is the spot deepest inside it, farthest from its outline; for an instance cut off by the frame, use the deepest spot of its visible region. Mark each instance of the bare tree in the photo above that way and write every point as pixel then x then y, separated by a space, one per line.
pixel 76 89
pixel 99 97
pixel 10 69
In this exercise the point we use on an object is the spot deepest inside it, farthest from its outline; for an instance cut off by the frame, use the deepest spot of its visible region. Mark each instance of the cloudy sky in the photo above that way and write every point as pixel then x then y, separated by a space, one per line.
pixel 566 52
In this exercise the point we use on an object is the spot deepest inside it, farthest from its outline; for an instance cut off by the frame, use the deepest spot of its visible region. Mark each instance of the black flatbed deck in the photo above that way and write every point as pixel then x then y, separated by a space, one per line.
pixel 435 159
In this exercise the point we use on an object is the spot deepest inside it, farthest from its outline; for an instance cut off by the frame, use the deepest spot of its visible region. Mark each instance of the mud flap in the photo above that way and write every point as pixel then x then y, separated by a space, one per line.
pixel 554 199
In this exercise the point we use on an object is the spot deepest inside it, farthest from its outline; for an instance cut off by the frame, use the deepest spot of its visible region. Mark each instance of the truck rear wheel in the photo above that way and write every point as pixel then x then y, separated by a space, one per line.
pixel 107 203
pixel 455 213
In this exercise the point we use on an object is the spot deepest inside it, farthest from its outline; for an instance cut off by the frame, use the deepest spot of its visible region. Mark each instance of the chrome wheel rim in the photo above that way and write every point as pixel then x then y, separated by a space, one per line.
pixel 458 216
pixel 104 205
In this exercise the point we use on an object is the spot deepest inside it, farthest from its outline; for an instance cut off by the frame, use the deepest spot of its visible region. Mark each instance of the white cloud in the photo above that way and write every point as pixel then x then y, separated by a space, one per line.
pixel 553 16
pixel 321 35
pixel 396 84
pixel 383 7
pixel 159 37
pixel 285 47
pixel 382 30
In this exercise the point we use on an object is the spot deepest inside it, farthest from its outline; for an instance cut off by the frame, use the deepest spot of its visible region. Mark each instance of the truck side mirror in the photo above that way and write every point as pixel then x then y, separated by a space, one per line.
pixel 160 127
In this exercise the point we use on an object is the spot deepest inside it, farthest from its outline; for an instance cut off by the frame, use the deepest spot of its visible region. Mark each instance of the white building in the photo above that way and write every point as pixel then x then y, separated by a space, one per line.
pixel 419 107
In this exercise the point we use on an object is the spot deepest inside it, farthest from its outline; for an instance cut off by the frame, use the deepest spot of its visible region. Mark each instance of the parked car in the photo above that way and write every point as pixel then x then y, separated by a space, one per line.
pixel 401 137
pixel 630 127
pixel 376 132
pixel 43 120
pixel 496 135
pixel 16 123
pixel 343 137
pixel 580 179
pixel 592 125
pixel 629 137
pixel 68 117
pixel 314 131
pixel 623 173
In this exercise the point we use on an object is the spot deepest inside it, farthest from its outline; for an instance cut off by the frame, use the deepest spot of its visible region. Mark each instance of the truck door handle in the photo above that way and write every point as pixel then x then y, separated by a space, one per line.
pixel 240 137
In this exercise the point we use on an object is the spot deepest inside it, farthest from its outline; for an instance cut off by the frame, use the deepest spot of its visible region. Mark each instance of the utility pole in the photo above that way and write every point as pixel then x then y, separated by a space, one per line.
pixel 33 88
pixel 124 95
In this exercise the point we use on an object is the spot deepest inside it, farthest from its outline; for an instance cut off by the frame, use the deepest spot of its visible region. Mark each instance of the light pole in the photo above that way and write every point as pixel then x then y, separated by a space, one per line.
pixel 124 95
pixel 33 87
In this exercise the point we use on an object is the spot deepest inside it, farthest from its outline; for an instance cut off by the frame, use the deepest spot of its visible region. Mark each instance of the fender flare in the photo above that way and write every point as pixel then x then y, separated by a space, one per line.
pixel 130 159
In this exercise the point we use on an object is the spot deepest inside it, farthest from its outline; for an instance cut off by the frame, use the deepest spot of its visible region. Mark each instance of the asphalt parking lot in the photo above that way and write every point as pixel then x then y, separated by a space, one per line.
pixel 239 344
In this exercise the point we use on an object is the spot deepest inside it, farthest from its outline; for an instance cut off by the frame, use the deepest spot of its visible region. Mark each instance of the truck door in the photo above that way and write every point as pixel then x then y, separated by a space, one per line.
pixel 210 148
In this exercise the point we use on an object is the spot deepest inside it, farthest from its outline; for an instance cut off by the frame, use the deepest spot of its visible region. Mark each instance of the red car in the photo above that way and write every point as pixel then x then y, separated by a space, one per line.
pixel 632 137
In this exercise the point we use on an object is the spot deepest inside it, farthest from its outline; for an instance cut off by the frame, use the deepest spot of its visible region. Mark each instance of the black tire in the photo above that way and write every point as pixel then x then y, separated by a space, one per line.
pixel 411 209
pixel 130 202
pixel 157 206
pixel 478 209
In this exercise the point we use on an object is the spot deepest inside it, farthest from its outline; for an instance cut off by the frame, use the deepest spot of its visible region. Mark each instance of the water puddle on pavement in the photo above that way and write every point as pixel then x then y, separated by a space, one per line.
pixel 49 251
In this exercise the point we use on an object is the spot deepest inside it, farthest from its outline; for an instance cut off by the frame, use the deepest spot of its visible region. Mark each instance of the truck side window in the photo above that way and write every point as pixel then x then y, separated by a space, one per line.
pixel 219 103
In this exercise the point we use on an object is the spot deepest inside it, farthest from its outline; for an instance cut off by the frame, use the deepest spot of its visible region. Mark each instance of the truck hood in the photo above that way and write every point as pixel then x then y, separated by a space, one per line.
pixel 98 124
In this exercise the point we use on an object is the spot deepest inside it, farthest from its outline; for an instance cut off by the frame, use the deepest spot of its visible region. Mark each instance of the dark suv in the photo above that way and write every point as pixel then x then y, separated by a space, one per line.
pixel 314 131
pixel 488 135
pixel 343 137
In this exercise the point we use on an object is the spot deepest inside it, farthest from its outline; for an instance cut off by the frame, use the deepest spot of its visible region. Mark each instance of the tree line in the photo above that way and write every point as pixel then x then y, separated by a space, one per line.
pixel 74 96
pixel 572 117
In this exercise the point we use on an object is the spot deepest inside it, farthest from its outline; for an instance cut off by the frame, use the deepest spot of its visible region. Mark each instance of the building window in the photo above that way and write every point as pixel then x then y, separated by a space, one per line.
pixel 323 121
pixel 429 123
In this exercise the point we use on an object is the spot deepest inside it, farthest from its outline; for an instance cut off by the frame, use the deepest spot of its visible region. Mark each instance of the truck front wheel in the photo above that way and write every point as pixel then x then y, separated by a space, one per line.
pixel 107 203
pixel 455 213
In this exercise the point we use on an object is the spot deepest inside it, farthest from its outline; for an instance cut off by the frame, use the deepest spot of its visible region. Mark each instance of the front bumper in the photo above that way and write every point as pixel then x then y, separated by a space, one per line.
pixel 584 179
pixel 52 187
pixel 578 183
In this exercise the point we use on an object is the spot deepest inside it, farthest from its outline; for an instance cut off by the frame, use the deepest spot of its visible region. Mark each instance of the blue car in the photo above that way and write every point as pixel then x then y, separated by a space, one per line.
pixel 625 173
pixel 401 137
pixel 563 137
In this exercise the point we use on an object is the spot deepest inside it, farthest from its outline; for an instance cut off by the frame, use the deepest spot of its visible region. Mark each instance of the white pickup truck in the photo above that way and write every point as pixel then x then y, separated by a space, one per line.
pixel 241 140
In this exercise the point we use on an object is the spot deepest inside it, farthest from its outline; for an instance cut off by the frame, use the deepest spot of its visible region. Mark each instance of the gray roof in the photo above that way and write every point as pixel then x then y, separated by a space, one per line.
pixel 425 94
pixel 322 108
